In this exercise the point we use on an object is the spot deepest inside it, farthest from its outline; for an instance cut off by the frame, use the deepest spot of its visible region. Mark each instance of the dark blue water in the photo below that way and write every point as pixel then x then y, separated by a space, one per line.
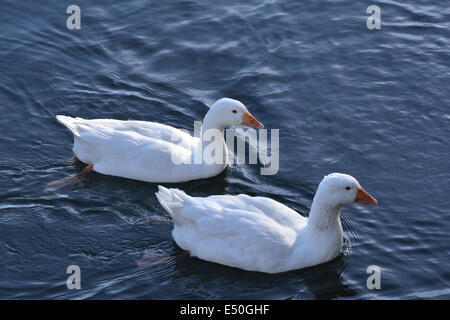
pixel 371 103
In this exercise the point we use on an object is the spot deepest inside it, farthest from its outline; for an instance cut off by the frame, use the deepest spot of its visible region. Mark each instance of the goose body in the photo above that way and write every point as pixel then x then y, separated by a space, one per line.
pixel 151 151
pixel 258 233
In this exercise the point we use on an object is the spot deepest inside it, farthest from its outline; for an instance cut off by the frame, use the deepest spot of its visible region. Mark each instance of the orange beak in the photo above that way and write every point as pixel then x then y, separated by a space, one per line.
pixel 363 196
pixel 250 121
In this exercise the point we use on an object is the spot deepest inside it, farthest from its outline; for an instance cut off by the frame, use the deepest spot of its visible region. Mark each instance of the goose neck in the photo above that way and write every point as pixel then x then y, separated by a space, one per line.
pixel 324 215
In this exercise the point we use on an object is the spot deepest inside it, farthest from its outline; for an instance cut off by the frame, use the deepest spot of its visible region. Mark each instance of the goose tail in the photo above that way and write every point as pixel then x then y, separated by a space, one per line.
pixel 172 201
pixel 169 199
pixel 70 123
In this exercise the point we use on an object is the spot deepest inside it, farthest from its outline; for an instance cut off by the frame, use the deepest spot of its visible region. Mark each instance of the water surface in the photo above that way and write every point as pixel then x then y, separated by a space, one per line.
pixel 370 103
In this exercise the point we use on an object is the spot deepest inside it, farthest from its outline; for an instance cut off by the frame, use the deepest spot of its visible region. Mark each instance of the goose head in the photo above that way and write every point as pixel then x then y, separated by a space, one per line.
pixel 229 112
pixel 341 189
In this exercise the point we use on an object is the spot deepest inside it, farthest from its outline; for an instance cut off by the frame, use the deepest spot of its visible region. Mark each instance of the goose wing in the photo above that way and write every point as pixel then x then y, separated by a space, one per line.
pixel 233 230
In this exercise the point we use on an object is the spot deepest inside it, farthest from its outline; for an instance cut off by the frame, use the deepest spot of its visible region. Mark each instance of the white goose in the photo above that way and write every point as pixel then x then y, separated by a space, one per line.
pixel 151 151
pixel 261 234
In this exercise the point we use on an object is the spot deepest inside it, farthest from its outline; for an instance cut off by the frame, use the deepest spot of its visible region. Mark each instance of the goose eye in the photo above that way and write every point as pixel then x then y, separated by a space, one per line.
pixel 234 111
pixel 347 188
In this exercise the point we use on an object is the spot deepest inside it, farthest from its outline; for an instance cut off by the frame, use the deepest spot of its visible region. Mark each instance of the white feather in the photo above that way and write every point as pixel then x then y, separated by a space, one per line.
pixel 257 233
pixel 149 151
